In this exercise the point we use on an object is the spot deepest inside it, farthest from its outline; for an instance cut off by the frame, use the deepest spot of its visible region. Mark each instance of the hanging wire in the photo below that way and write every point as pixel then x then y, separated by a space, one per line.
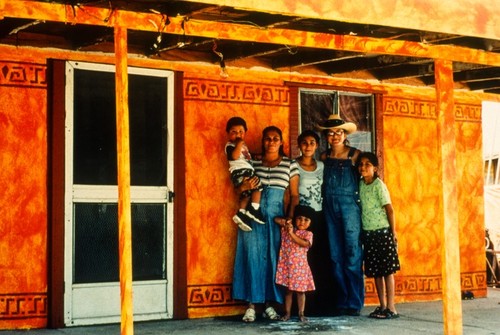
pixel 291 51
pixel 18 29
pixel 164 21
pixel 223 73
pixel 82 8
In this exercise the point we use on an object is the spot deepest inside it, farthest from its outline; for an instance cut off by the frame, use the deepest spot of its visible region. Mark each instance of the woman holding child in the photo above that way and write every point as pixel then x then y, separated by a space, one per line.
pixel 254 278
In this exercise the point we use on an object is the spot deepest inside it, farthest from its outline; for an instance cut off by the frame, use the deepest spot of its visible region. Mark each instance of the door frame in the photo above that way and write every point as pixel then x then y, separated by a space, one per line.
pixel 56 193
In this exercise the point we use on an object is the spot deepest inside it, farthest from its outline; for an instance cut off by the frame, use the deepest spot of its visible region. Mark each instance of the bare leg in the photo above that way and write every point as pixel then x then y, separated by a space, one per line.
pixel 288 305
pixel 244 202
pixel 380 285
pixel 390 289
pixel 301 304
pixel 256 197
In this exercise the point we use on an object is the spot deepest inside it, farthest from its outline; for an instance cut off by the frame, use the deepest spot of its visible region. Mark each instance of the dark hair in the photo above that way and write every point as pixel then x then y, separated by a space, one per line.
pixel 235 121
pixel 372 158
pixel 305 211
pixel 308 133
pixel 276 129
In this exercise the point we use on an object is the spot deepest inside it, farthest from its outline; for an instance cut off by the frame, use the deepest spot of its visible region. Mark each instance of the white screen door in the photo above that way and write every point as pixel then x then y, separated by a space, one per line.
pixel 92 293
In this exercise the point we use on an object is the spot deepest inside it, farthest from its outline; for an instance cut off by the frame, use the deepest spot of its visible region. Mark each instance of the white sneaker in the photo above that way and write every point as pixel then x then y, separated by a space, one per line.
pixel 255 215
pixel 239 220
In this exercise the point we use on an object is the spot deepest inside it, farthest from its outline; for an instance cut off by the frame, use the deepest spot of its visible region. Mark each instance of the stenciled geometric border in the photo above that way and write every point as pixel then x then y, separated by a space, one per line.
pixel 211 296
pixel 428 109
pixel 236 92
pixel 426 285
pixel 205 296
pixel 23 75
pixel 23 306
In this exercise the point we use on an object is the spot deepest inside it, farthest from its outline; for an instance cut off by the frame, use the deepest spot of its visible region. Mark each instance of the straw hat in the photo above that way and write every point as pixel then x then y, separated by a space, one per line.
pixel 335 122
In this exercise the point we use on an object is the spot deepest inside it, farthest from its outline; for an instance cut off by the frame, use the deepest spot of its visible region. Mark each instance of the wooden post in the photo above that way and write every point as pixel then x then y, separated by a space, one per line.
pixel 124 208
pixel 452 303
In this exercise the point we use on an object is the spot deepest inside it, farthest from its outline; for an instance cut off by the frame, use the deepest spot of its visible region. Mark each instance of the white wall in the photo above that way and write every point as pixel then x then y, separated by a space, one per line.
pixel 491 149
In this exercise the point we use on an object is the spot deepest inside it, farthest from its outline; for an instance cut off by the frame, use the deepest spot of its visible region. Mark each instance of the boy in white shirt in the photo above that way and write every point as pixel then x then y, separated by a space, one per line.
pixel 240 167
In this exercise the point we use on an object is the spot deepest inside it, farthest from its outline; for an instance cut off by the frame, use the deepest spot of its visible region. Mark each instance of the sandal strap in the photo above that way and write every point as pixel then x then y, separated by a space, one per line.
pixel 390 314
pixel 271 313
pixel 249 315
pixel 376 312
pixel 387 314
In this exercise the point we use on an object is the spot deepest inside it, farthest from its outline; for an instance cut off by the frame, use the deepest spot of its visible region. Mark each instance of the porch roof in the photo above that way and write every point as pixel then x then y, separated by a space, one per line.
pixel 387 41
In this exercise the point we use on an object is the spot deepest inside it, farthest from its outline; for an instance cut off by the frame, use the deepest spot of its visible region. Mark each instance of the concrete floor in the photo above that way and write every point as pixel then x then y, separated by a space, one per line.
pixel 480 316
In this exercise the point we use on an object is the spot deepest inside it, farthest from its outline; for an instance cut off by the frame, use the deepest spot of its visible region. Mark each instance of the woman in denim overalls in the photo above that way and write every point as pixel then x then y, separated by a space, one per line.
pixel 341 206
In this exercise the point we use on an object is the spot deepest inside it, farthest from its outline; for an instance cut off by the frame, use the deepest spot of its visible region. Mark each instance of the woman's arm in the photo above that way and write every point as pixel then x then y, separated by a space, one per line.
pixel 293 190
pixel 354 157
pixel 248 184
pixel 389 210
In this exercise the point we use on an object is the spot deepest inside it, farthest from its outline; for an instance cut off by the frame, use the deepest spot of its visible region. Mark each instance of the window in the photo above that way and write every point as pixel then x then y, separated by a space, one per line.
pixel 491 171
pixel 317 105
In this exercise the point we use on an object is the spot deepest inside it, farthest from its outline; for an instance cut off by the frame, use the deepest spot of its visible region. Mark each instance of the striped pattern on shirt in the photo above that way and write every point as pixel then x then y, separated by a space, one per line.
pixel 278 176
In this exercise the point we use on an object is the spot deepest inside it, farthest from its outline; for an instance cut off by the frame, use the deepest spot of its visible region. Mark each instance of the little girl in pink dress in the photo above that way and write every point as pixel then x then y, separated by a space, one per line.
pixel 293 271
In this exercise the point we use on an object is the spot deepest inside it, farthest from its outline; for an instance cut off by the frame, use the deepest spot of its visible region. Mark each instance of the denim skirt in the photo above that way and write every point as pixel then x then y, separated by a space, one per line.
pixel 257 251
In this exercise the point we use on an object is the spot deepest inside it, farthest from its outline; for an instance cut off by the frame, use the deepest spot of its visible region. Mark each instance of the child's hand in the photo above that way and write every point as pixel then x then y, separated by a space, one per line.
pixel 249 184
pixel 281 221
pixel 289 227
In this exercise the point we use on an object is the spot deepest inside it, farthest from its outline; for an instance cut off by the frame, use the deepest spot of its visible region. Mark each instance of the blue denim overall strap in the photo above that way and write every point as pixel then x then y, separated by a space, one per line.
pixel 340 176
pixel 254 277
pixel 343 221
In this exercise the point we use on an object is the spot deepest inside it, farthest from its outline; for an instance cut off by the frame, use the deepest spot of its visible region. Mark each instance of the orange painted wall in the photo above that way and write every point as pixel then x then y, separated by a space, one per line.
pixel 211 200
pixel 410 149
pixel 23 199
pixel 411 165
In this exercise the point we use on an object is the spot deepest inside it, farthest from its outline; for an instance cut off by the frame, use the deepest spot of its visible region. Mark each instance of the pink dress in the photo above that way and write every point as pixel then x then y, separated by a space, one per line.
pixel 293 271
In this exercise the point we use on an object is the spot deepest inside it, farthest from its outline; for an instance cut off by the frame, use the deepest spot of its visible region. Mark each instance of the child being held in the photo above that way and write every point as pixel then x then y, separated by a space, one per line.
pixel 293 271
pixel 240 167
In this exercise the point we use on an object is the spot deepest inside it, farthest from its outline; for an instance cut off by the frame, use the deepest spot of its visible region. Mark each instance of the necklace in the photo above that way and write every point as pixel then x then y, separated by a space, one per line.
pixel 272 162
pixel 307 166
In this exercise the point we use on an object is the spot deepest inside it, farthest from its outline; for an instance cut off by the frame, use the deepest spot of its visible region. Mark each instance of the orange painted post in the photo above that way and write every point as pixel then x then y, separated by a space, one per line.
pixel 124 208
pixel 452 303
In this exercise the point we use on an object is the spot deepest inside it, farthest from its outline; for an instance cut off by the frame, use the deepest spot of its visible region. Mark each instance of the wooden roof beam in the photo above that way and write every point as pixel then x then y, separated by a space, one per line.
pixel 364 62
pixel 495 91
pixel 477 74
pixel 476 18
pixel 240 32
pixel 468 76
pixel 304 59
pixel 255 51
pixel 484 84
pixel 395 71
